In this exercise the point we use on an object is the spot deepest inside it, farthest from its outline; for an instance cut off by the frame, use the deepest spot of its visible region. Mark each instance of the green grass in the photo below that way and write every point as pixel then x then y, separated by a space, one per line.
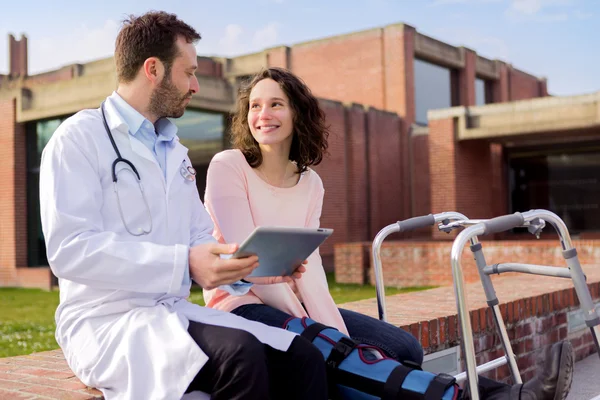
pixel 27 315
pixel 26 321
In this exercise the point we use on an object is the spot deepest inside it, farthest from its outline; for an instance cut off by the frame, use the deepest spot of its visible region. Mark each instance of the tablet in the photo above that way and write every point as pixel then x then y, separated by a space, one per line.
pixel 281 250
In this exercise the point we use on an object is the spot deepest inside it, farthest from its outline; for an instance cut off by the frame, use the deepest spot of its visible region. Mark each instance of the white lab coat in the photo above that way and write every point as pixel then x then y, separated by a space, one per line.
pixel 123 315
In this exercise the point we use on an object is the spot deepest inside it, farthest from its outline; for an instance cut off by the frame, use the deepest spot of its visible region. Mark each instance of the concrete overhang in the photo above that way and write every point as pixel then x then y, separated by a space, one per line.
pixel 66 97
pixel 547 117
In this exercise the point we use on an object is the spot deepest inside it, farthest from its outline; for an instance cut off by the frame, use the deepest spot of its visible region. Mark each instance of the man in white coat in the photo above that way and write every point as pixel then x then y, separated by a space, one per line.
pixel 126 233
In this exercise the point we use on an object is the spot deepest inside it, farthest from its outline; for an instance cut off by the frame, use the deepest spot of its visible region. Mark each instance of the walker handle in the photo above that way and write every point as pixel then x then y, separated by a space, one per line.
pixel 415 223
pixel 503 223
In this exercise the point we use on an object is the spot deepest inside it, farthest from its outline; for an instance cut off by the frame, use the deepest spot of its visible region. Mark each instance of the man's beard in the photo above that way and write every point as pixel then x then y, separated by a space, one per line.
pixel 166 100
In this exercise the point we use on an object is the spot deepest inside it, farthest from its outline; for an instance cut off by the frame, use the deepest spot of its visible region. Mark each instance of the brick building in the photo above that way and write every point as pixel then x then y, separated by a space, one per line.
pixel 390 156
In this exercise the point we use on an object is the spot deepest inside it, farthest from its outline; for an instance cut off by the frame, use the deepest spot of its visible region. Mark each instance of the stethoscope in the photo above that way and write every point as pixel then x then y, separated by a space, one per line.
pixel 188 173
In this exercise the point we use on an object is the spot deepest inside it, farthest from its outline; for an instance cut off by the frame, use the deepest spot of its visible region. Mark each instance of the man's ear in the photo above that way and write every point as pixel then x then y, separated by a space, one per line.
pixel 154 70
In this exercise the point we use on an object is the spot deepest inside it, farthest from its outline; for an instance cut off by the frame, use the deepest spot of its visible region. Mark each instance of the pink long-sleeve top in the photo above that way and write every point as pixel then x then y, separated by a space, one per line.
pixel 238 201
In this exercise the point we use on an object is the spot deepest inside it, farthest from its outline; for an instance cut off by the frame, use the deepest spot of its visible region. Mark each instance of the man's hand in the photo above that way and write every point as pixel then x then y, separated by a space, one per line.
pixel 210 271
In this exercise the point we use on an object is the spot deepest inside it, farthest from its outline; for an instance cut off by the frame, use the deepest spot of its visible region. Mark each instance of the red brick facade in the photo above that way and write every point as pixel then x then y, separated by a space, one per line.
pixel 379 169
pixel 466 177
pixel 13 197
pixel 362 173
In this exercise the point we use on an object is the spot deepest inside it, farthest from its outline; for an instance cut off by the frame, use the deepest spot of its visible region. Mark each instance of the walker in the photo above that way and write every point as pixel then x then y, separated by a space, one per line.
pixel 534 221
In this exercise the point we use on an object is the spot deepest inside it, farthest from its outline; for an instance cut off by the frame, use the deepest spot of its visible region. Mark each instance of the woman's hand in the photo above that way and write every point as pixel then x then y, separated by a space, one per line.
pixel 270 280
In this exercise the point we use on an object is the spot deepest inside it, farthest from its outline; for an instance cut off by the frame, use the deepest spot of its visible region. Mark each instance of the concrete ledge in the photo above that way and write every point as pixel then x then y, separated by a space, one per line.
pixel 41 376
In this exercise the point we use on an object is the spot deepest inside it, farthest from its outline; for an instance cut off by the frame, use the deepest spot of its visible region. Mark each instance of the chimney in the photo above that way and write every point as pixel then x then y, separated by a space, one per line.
pixel 17 55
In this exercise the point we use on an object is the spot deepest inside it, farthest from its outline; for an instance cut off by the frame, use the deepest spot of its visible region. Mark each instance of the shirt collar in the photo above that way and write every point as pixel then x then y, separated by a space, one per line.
pixel 167 130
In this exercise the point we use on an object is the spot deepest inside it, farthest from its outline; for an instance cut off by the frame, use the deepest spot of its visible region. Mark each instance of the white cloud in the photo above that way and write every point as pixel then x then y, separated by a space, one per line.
pixel 83 44
pixel 472 2
pixel 238 40
pixel 582 14
pixel 526 7
pixel 266 36
pixel 536 10
pixel 231 42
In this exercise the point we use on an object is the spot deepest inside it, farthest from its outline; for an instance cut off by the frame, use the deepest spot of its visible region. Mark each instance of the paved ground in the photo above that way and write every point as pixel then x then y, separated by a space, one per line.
pixel 586 382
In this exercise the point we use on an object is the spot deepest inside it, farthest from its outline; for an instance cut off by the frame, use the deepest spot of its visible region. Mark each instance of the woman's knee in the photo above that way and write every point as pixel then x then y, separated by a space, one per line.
pixel 413 347
pixel 396 342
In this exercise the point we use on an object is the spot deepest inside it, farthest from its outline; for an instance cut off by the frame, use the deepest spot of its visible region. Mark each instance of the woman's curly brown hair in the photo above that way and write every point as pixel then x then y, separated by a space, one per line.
pixel 309 142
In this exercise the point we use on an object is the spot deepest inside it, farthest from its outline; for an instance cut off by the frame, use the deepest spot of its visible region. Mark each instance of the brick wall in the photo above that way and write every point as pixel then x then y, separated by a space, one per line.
pixel 523 86
pixel 466 177
pixel 346 68
pixel 13 201
pixel 333 173
pixel 427 263
pixel 358 174
pixel 442 161
pixel 466 79
pixel 279 57
pixel 209 67
pixel 362 174
pixel 532 323
pixel 421 191
pixel 386 178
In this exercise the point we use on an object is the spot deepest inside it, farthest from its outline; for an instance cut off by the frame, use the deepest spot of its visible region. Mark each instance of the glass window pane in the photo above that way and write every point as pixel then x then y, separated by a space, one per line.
pixel 41 133
pixel 564 182
pixel 202 133
pixel 44 131
pixel 432 89
pixel 479 92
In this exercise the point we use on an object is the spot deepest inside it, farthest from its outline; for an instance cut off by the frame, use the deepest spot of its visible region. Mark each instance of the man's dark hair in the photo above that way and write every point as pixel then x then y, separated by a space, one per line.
pixel 150 35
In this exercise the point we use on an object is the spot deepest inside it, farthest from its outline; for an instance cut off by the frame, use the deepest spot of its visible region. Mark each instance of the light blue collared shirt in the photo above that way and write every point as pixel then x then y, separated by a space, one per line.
pixel 157 138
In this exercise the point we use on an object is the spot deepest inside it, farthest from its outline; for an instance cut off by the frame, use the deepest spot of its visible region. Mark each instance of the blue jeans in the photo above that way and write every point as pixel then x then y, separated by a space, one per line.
pixel 395 342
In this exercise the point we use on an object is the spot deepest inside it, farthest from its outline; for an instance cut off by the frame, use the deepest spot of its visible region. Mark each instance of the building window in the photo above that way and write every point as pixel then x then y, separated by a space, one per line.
pixel 38 135
pixel 432 89
pixel 564 181
pixel 480 92
pixel 202 133
pixel 483 91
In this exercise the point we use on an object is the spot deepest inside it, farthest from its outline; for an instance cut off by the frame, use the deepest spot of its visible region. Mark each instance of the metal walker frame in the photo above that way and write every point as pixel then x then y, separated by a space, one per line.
pixel 534 221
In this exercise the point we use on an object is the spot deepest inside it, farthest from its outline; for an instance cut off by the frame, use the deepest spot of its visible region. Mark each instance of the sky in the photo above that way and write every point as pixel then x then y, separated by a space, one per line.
pixel 556 39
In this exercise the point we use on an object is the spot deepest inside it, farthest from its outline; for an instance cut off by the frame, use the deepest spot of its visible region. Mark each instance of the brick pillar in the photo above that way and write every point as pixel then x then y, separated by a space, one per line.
pixel 279 57
pixel 500 91
pixel 460 173
pixel 499 180
pixel 13 196
pixel 17 50
pixel 357 174
pixel 398 67
pixel 333 174
pixel 442 173
pixel 399 96
pixel 385 169
pixel 543 83
pixel 466 79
